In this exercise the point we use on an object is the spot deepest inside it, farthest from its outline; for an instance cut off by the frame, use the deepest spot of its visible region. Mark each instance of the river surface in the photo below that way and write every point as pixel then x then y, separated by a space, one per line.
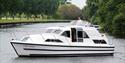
pixel 8 55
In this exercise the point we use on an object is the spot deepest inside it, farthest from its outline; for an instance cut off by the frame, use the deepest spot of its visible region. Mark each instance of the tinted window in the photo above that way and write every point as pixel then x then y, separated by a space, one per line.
pixel 53 40
pixel 99 41
pixel 66 34
pixel 80 34
pixel 85 35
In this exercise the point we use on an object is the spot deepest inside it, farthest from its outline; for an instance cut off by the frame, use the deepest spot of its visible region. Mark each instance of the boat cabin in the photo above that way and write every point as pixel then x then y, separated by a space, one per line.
pixel 75 34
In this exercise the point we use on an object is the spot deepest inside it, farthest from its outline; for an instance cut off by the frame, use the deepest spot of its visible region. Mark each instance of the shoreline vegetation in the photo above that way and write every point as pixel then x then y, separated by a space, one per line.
pixel 18 12
pixel 109 14
pixel 9 22
pixel 30 20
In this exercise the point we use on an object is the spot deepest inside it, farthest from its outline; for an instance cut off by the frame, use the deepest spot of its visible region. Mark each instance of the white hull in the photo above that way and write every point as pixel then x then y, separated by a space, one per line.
pixel 27 49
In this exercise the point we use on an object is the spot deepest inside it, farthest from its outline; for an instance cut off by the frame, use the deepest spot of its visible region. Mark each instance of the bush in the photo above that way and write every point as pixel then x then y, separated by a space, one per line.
pixel 119 25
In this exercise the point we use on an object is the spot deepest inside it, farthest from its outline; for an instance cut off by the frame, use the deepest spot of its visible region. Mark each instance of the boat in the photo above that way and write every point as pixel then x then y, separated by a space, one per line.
pixel 72 40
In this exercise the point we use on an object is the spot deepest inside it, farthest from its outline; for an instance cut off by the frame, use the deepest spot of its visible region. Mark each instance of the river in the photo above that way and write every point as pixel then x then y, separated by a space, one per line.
pixel 8 55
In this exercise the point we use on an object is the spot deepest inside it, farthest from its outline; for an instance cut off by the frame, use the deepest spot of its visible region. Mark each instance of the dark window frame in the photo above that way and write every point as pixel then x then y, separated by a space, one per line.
pixel 99 41
pixel 73 34
pixel 53 40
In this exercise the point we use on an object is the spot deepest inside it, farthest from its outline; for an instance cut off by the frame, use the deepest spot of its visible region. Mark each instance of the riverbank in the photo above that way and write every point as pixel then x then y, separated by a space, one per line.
pixel 31 21
pixel 12 23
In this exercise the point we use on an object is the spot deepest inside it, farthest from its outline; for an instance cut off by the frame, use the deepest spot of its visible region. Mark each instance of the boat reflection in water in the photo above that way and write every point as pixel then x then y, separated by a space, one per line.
pixel 72 40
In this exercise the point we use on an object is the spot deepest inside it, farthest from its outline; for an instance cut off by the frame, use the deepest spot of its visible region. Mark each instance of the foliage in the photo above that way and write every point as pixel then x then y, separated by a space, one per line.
pixel 119 25
pixel 69 11
pixel 29 7
pixel 109 14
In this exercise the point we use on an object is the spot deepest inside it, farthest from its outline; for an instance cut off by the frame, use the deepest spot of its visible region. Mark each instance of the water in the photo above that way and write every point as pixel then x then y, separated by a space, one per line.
pixel 8 55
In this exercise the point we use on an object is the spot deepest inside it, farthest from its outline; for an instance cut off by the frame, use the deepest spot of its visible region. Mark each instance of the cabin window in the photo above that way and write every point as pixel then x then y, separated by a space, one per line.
pixel 57 31
pixel 53 40
pixel 66 34
pixel 80 36
pixel 85 35
pixel 99 41
pixel 77 34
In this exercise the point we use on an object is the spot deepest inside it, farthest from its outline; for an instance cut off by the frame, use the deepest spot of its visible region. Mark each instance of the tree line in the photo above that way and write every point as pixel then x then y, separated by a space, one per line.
pixel 53 9
pixel 28 7
pixel 109 14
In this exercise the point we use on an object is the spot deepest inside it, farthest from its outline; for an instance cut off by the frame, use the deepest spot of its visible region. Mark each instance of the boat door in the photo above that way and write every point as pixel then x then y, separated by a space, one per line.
pixel 76 35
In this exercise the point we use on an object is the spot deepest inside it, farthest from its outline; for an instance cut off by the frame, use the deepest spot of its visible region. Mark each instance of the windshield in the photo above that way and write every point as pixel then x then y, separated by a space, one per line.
pixel 49 30
pixel 25 39
pixel 56 31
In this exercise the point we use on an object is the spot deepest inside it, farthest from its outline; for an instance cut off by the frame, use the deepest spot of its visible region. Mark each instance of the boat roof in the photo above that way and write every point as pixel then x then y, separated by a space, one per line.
pixel 91 31
pixel 69 27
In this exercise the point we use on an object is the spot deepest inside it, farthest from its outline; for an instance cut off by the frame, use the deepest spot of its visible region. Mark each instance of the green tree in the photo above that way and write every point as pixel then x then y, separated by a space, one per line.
pixel 109 14
pixel 29 7
pixel 119 25
pixel 14 7
pixel 69 11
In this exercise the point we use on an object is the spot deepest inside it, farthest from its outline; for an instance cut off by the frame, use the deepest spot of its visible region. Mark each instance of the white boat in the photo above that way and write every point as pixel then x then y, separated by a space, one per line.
pixel 64 41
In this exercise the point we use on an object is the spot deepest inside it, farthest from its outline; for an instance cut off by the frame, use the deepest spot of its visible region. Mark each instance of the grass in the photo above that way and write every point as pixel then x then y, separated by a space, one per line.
pixel 25 20
pixel 17 20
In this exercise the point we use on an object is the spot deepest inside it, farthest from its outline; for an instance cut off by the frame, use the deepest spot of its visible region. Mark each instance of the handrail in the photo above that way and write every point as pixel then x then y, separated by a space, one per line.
pixel 42 37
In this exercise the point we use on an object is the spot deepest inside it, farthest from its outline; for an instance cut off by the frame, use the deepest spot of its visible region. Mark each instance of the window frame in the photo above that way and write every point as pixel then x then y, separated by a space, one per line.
pixel 54 40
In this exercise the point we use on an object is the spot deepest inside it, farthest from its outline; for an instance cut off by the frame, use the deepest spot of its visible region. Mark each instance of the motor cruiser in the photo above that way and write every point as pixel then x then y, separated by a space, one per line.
pixel 73 40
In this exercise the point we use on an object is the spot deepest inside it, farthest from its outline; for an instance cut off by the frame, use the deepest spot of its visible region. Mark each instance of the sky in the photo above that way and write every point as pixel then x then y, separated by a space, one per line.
pixel 79 3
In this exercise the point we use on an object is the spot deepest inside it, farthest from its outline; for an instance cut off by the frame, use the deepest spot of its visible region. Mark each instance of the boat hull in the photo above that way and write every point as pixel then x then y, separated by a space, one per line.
pixel 28 49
